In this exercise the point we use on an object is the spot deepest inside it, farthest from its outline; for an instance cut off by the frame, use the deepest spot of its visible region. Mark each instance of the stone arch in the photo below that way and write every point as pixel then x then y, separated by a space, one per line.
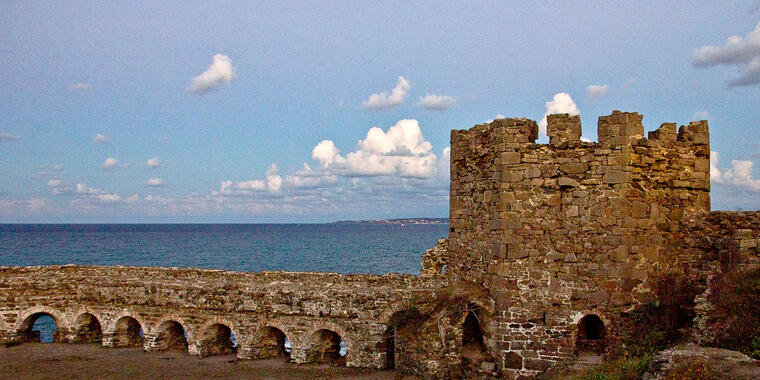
pixel 171 334
pixel 112 326
pixel 591 334
pixel 189 332
pixel 217 337
pixel 348 340
pixel 474 349
pixel 25 323
pixel 325 348
pixel 128 332
pixel 401 327
pixel 86 328
pixel 270 342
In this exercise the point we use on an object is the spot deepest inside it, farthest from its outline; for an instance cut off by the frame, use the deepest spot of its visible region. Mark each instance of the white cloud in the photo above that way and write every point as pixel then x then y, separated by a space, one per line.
pixel 627 84
pixel 8 137
pixel 108 198
pixel 80 87
pixel 306 177
pixel 271 183
pixel 738 51
pixel 383 100
pixel 560 103
pixel 740 174
pixel 401 151
pixel 109 163
pixel 56 182
pixel 101 139
pixel 220 71
pixel 273 179
pixel 750 75
pixel 83 189
pixel 437 102
pixel 700 115
pixel 596 91
pixel 326 153
pixel 154 182
pixel 153 163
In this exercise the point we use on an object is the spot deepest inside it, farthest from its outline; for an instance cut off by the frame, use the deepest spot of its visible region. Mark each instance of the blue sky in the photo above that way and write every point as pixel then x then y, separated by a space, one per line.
pixel 239 112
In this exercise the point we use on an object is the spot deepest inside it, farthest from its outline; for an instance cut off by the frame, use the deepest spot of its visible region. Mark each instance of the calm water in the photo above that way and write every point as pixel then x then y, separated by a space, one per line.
pixel 342 248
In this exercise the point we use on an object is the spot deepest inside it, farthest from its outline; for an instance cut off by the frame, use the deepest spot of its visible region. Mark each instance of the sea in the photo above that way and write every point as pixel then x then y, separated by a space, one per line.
pixel 376 248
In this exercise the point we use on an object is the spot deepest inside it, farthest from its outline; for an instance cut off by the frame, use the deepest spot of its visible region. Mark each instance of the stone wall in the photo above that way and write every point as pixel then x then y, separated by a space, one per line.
pixel 208 304
pixel 568 229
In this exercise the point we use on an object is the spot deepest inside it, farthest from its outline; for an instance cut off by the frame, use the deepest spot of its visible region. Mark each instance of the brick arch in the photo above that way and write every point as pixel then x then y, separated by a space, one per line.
pixel 175 318
pixel 58 316
pixel 111 328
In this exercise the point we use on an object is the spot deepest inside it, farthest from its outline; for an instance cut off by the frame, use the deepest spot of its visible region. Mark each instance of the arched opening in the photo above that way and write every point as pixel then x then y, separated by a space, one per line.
pixel 271 342
pixel 591 334
pixel 128 333
pixel 87 329
pixel 39 327
pixel 171 336
pixel 218 339
pixel 474 350
pixel 399 336
pixel 327 347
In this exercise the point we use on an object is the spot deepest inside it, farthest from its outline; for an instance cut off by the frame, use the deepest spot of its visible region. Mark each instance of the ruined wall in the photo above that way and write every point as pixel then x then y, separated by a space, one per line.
pixel 204 302
pixel 566 229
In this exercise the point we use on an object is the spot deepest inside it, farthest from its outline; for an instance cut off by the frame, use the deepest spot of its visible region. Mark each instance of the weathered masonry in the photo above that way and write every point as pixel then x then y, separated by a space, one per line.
pixel 565 235
pixel 199 310
pixel 549 246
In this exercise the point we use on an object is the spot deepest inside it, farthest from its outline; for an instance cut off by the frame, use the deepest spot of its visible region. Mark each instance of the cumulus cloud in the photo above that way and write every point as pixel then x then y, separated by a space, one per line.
pixel 326 153
pixel 270 183
pixel 56 182
pixel 740 174
pixel 596 91
pixel 8 137
pixel 101 139
pixel 220 71
pixel 154 182
pixel 382 100
pixel 627 84
pixel 401 151
pixel 153 163
pixel 437 102
pixel 561 103
pixel 306 177
pixel 80 87
pixel 700 115
pixel 109 163
pixel 86 193
pixel 743 52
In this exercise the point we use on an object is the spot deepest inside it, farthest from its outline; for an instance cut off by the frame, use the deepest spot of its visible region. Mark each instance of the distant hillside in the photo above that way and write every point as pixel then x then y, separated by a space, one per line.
pixel 397 221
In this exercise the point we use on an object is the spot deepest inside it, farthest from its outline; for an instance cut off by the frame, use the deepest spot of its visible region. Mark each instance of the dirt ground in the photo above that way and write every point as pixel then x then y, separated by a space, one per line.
pixel 78 361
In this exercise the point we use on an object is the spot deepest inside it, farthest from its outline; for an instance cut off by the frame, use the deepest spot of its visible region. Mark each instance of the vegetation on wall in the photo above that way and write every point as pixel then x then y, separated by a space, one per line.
pixel 735 318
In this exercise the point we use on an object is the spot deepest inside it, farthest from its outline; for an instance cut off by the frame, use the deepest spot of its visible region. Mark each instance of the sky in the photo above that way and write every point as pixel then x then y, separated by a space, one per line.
pixel 302 112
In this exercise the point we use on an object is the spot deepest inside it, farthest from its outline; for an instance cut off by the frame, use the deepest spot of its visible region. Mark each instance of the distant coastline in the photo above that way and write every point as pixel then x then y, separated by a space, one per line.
pixel 403 221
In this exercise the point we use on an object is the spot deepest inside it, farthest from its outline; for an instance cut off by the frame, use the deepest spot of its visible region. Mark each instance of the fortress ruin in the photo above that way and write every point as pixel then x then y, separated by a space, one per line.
pixel 550 246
